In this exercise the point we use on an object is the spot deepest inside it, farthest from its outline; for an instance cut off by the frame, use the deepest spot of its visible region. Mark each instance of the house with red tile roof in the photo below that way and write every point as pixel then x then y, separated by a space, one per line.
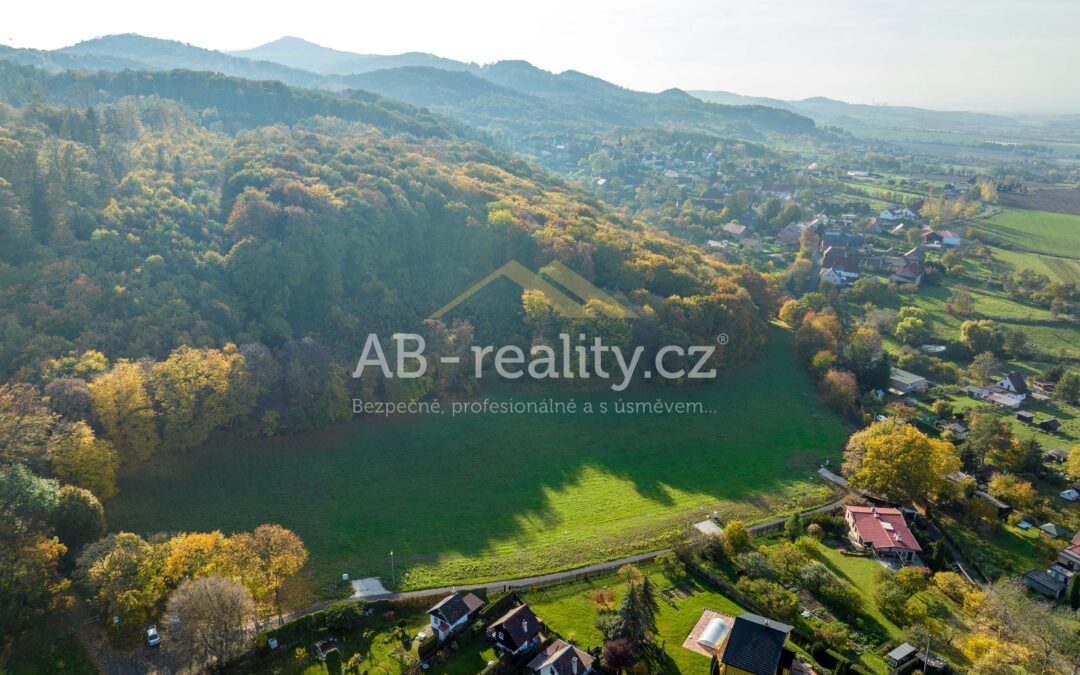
pixel 1070 557
pixel 883 531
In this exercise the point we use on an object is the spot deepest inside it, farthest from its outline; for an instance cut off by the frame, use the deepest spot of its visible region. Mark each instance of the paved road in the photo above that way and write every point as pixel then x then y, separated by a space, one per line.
pixel 523 582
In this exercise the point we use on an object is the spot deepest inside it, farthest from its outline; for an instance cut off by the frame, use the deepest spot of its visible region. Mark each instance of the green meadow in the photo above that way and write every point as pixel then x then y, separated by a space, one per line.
pixel 480 497
pixel 1051 234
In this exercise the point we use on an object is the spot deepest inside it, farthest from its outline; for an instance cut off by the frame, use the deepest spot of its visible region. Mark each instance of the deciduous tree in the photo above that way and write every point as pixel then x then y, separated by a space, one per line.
pixel 899 461
pixel 216 618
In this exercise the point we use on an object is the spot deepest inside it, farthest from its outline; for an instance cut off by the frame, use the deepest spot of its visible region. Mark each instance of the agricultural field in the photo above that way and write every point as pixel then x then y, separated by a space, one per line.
pixel 1044 232
pixel 472 498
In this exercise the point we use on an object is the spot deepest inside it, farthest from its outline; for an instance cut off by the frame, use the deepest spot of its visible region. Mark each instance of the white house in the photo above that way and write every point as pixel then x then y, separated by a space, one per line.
pixel 1014 384
pixel 838 277
pixel 897 213
pixel 452 613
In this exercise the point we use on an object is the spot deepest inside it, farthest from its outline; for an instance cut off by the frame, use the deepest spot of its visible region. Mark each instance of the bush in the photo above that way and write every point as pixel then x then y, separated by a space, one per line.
pixel 912 579
pixel 756 565
pixel 834 526
pixel 344 615
pixel 775 600
pixel 952 585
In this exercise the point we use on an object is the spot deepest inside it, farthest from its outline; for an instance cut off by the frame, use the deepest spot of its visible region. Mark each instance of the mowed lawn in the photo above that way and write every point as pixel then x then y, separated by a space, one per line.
pixel 1054 234
pixel 569 610
pixel 487 497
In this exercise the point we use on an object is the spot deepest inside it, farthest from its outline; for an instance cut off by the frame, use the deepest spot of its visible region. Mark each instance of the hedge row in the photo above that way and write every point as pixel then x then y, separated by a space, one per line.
pixel 344 615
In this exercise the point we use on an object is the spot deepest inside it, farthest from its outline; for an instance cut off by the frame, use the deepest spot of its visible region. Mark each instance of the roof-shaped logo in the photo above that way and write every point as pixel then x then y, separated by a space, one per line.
pixel 554 276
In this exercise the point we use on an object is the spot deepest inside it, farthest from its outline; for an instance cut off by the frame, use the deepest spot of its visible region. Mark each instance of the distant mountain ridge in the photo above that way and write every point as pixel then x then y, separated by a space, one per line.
pixel 830 112
pixel 507 98
pixel 299 53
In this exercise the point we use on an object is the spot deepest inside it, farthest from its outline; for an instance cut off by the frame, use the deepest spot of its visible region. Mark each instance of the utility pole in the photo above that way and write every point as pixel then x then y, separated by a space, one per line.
pixel 393 571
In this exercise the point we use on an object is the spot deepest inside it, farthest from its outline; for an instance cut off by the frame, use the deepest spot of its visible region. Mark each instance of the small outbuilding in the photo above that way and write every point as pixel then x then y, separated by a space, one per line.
pixel 1026 417
pixel 1055 531
pixel 1051 425
pixel 1057 455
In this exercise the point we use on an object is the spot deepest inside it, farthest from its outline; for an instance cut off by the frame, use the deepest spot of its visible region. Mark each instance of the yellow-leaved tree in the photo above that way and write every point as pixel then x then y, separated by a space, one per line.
pixel 80 458
pixel 126 413
pixel 900 462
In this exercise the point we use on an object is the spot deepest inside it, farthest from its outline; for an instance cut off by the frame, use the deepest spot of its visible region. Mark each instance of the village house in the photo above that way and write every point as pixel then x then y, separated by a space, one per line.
pixel 897 213
pixel 1014 385
pixel 746 645
pixel 561 658
pixel 734 229
pixel 883 531
pixel 911 273
pixel 1070 557
pixel 778 190
pixel 904 382
pixel 790 235
pixel 516 631
pixel 453 613
pixel 837 277
pixel 756 646
pixel 959 431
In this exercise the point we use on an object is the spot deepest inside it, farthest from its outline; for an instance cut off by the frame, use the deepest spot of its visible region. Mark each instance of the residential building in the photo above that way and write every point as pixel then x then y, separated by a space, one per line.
pixel 897 213
pixel 560 658
pixel 1014 384
pixel 905 382
pixel 516 631
pixel 453 613
pixel 1070 557
pixel 755 646
pixel 882 530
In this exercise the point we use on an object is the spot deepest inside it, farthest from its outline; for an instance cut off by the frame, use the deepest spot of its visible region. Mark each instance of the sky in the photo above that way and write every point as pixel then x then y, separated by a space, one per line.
pixel 988 55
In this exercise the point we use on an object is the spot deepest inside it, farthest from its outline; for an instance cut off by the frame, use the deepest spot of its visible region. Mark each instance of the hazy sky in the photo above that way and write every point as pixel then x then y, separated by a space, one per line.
pixel 994 55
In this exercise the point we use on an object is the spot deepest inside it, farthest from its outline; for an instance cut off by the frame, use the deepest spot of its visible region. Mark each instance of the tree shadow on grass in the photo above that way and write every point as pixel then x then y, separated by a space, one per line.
pixel 477 486
pixel 870 624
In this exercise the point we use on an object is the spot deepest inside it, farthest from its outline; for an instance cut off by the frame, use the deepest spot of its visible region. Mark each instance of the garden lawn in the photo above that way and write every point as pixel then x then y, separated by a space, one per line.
pixel 568 610
pixel 1004 550
pixel 482 497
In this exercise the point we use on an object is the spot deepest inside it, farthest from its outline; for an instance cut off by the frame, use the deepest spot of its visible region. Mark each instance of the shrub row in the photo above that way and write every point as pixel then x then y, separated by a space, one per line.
pixel 344 615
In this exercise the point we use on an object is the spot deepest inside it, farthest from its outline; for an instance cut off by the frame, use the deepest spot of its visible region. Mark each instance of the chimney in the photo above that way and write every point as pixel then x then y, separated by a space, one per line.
pixel 573 665
pixel 525 625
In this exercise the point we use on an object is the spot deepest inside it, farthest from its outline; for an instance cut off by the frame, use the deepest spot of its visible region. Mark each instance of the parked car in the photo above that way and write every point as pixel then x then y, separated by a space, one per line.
pixel 152 637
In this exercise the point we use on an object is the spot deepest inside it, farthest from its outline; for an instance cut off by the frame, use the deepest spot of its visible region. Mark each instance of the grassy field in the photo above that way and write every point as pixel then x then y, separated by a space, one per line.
pixel 482 497
pixel 1044 332
pixel 1052 234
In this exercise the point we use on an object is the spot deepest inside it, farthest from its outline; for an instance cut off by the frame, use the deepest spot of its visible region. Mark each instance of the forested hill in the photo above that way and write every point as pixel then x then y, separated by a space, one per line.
pixel 140 224
pixel 527 100
pixel 231 101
